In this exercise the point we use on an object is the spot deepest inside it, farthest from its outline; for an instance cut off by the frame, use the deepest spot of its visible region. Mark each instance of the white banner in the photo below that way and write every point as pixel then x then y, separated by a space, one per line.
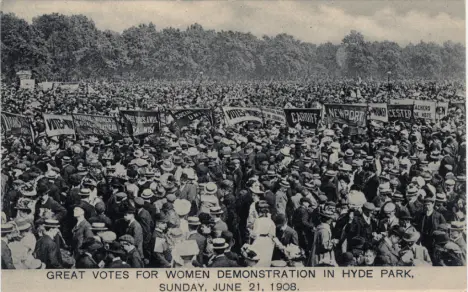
pixel 274 114
pixel 27 84
pixel 59 125
pixel 235 115
pixel 424 110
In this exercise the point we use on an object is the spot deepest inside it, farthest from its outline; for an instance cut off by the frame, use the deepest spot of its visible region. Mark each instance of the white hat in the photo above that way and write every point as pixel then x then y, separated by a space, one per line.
pixel 356 198
pixel 285 151
pixel 182 207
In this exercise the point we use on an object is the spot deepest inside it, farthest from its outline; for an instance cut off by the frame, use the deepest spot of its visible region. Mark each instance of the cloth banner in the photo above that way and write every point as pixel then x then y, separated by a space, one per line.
pixel 424 110
pixel 140 122
pixel 95 125
pixel 59 125
pixel 16 125
pixel 27 84
pixel 400 112
pixel 235 115
pixel 441 109
pixel 349 114
pixel 45 86
pixel 378 112
pixel 71 87
pixel 306 117
pixel 274 115
pixel 185 117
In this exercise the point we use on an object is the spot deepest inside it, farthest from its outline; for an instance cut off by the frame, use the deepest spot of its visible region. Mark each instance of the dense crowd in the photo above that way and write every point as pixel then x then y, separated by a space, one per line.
pixel 229 196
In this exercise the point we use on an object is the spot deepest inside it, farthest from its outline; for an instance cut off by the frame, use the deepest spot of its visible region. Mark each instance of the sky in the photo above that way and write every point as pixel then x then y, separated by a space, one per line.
pixel 319 21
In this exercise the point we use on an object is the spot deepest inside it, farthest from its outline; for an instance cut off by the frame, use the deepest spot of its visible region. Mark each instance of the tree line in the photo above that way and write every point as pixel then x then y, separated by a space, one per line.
pixel 71 48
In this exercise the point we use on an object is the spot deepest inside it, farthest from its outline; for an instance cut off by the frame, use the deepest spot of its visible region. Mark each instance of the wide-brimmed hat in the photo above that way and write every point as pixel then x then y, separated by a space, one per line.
pixel 220 243
pixel 22 205
pixel 457 226
pixel 441 198
pixel 193 220
pixel 85 192
pixel 182 207
pixel 187 248
pixel 147 194
pixel 98 226
pixel 51 223
pixel 167 165
pixel 216 210
pixel 211 188
pixel 411 236
pixel 327 214
pixel 177 160
pixel 22 225
pixel 7 228
pixel 115 247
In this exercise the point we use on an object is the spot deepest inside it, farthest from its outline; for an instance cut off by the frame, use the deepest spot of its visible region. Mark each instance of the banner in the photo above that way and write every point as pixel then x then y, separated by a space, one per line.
pixel 59 125
pixel 400 112
pixel 45 86
pixel 441 109
pixel 350 114
pixel 95 125
pixel 458 104
pixel 27 84
pixel 16 125
pixel 140 122
pixel 274 115
pixel 71 87
pixel 378 112
pixel 184 117
pixel 424 110
pixel 306 117
pixel 235 115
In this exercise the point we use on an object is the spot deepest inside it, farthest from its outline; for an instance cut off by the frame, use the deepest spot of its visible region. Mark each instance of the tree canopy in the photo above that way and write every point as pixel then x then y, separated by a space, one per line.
pixel 69 48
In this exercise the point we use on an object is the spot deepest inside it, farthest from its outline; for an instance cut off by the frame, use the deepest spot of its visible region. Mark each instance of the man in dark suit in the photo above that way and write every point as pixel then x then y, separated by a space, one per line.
pixel 80 231
pixel 302 223
pixel 188 190
pixel 115 253
pixel 362 224
pixel 47 207
pixel 285 234
pixel 428 222
pixel 134 228
pixel 133 257
pixel 86 259
pixel 46 249
pixel 86 206
pixel 7 261
pixel 219 259
pixel 146 221
pixel 159 248
pixel 67 169
pixel 386 248
pixel 193 234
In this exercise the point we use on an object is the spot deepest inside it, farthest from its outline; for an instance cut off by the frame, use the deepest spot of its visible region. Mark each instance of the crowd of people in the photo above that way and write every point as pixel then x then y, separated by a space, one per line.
pixel 234 196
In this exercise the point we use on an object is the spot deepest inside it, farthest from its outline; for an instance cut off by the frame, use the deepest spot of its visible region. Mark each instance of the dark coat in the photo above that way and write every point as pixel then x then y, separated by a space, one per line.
pixel 147 226
pixel 47 251
pixel 87 208
pixel 134 259
pixel 221 261
pixel 80 233
pixel 160 251
pixel 135 230
pixel 388 252
pixel 85 261
pixel 59 211
pixel 118 264
pixel 7 261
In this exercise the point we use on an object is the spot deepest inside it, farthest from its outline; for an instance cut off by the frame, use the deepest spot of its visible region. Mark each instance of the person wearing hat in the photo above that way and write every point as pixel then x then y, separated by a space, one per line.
pixel 323 243
pixel 220 225
pixel 388 246
pixel 67 169
pixel 194 234
pixel 188 189
pixel 159 245
pixel 46 250
pixel 86 259
pixel 133 257
pixel 390 219
pixel 47 207
pixel 219 259
pixel 101 216
pixel 405 220
pixel 285 234
pixel 84 204
pixel 143 217
pixel 428 222
pixel 208 198
pixel 414 203
pixel 329 185
pixel 115 255
pixel 187 251
pixel 446 252
pixel 7 233
pixel 134 228
pixel 456 230
pixel 362 224
pixel 281 197
pixel 413 253
pixel 80 231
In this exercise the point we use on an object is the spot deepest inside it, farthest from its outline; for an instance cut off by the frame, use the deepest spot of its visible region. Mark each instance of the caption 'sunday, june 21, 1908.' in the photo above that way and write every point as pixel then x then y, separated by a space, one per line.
pixel 287 141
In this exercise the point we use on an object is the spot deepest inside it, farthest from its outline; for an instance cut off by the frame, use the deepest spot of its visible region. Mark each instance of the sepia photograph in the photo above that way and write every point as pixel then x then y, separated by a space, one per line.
pixel 276 137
